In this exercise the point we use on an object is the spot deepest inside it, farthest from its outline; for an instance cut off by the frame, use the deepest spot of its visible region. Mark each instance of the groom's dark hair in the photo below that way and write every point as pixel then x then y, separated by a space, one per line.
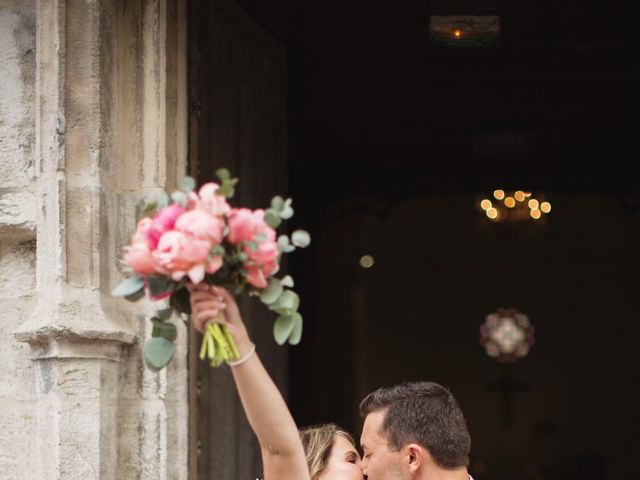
pixel 425 413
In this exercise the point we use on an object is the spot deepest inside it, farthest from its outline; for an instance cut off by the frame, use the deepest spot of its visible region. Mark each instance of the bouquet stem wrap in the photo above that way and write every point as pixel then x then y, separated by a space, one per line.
pixel 217 344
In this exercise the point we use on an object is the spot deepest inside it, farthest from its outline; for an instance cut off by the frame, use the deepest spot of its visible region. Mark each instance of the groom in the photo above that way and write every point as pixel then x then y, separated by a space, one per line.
pixel 414 431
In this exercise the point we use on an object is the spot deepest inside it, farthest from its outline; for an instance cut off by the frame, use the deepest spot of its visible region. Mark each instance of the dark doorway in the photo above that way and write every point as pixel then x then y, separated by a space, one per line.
pixel 394 139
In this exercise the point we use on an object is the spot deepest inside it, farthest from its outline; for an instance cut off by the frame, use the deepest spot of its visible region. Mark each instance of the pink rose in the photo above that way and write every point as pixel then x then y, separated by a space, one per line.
pixel 245 224
pixel 211 202
pixel 202 225
pixel 163 221
pixel 138 256
pixel 181 254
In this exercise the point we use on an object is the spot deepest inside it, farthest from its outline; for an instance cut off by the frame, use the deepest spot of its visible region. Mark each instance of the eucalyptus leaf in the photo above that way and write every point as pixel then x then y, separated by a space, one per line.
pixel 180 198
pixel 286 213
pixel 277 203
pixel 136 296
pixel 296 332
pixel 128 286
pixel 164 313
pixel 287 281
pixel 150 209
pixel 283 241
pixel 226 191
pixel 164 329
pixel 272 219
pixel 187 184
pixel 158 285
pixel 289 300
pixel 271 292
pixel 301 238
pixel 223 174
pixel 158 352
pixel 163 200
pixel 282 328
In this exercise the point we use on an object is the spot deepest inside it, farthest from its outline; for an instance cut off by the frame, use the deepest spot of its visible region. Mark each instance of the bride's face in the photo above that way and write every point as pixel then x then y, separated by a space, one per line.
pixel 344 462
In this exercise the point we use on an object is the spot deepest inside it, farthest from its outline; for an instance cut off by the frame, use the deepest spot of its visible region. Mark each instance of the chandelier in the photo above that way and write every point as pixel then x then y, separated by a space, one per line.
pixel 515 206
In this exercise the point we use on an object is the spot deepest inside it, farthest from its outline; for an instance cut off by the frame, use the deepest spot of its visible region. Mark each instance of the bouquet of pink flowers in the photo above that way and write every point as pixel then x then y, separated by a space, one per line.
pixel 199 237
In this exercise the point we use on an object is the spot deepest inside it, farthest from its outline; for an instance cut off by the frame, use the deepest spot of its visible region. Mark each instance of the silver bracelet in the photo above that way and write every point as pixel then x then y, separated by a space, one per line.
pixel 240 361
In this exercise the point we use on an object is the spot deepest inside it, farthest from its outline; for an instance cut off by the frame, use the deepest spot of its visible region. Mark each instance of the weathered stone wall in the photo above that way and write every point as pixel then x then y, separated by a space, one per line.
pixel 92 123
pixel 17 235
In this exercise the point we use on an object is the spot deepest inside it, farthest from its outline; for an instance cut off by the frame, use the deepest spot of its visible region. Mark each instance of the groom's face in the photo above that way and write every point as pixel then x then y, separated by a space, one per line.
pixel 380 462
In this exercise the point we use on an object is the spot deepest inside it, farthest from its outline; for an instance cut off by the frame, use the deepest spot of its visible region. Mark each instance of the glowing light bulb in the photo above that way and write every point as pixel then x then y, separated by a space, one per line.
pixel 457 33
pixel 492 213
pixel 485 204
pixel 535 214
pixel 510 202
pixel 498 194
pixel 545 207
pixel 533 203
pixel 519 196
pixel 366 261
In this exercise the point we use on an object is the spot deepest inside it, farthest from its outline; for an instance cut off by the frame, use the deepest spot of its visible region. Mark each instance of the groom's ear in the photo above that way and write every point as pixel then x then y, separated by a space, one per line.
pixel 417 456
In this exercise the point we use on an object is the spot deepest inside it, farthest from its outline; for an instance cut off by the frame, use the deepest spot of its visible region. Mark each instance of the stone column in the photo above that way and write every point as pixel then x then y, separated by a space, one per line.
pixel 110 114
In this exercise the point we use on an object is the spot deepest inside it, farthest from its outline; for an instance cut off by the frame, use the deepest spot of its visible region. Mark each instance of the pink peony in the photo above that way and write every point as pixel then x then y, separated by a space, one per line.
pixel 211 202
pixel 138 256
pixel 265 263
pixel 162 222
pixel 202 225
pixel 181 254
pixel 245 224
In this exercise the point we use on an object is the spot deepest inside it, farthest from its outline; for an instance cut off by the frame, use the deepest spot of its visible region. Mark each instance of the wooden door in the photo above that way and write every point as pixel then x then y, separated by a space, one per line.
pixel 237 83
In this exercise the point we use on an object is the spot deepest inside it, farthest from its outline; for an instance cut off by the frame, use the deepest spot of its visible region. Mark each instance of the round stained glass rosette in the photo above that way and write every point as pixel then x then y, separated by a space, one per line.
pixel 507 335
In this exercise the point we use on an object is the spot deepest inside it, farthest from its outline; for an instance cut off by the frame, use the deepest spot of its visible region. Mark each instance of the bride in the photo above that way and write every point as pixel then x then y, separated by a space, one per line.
pixel 321 452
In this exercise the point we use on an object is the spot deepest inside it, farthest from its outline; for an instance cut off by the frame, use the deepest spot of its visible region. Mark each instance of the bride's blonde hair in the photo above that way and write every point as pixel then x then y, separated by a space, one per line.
pixel 317 441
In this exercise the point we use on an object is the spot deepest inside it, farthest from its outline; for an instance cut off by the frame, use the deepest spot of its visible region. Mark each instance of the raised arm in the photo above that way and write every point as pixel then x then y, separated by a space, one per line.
pixel 283 457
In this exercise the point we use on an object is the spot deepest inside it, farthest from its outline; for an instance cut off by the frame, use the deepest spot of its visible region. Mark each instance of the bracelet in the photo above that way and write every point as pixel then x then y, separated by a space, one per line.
pixel 240 361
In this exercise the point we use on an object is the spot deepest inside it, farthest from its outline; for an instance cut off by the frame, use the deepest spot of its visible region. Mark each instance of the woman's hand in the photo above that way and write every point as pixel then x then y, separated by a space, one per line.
pixel 207 302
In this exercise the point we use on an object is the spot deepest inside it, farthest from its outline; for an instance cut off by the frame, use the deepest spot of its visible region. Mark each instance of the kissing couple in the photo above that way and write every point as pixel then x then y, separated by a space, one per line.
pixel 411 431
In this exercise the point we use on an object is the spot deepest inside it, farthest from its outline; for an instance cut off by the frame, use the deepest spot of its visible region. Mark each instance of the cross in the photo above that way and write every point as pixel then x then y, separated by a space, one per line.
pixel 507 387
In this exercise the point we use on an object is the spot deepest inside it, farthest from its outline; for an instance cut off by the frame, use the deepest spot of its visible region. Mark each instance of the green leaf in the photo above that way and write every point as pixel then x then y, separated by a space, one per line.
pixel 301 238
pixel 287 303
pixel 164 329
pixel 284 245
pixel 187 184
pixel 163 200
pixel 232 181
pixel 277 203
pixel 128 286
pixel 271 292
pixel 136 296
pixel 158 352
pixel 223 174
pixel 180 198
pixel 150 209
pixel 226 191
pixel 158 285
pixel 272 219
pixel 287 281
pixel 164 313
pixel 252 244
pixel 296 332
pixel 286 213
pixel 282 328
